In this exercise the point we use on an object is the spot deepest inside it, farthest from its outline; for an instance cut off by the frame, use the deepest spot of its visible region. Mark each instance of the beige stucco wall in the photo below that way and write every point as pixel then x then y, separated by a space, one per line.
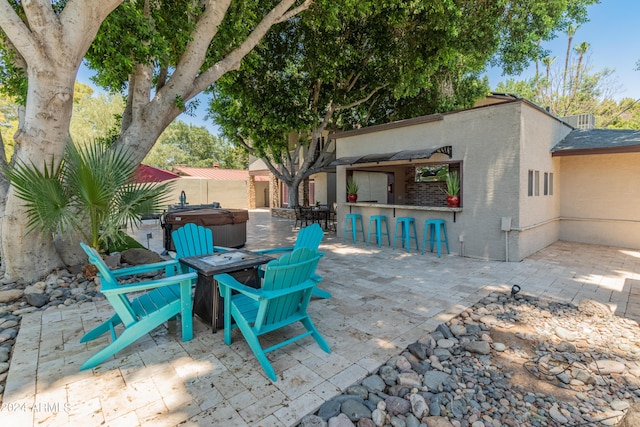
pixel 230 194
pixel 601 199
pixel 319 188
pixel 537 224
pixel 490 143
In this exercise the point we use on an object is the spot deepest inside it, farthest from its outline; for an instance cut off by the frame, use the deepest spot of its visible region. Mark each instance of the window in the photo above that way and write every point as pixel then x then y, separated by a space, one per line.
pixel 530 183
pixel 546 183
pixel 536 183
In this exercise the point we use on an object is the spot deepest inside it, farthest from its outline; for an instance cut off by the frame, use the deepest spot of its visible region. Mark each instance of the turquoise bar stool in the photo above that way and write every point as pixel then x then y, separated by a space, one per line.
pixel 375 221
pixel 435 227
pixel 404 225
pixel 353 220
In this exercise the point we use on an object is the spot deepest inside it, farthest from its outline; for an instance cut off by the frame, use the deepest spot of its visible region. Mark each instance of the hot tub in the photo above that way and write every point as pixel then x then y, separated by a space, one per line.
pixel 229 226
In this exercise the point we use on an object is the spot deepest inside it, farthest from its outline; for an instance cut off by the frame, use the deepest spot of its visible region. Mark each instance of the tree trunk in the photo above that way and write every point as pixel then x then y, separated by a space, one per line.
pixel 293 194
pixel 41 136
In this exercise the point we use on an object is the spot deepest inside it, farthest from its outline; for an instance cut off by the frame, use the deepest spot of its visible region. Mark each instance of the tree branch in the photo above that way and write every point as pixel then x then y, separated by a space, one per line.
pixel 79 34
pixel 17 32
pixel 304 6
pixel 339 107
pixel 40 17
pixel 233 59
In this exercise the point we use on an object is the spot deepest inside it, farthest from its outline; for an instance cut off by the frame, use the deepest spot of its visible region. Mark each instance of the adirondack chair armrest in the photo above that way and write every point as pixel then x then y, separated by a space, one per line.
pixel 274 250
pixel 151 284
pixel 317 278
pixel 228 281
pixel 137 269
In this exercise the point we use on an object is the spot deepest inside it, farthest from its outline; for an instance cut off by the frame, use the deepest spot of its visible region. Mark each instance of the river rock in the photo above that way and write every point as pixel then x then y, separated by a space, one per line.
pixel 606 366
pixel 10 295
pixel 354 410
pixel 594 308
pixel 480 347
pixel 37 300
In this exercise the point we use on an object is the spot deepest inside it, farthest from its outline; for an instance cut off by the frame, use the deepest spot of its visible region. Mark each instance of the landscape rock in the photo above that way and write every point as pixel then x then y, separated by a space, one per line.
pixel 452 379
pixel 10 295
pixel 139 256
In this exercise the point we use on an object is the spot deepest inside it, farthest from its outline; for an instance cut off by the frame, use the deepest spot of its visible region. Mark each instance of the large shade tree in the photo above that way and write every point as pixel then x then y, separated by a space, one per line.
pixel 324 71
pixel 162 53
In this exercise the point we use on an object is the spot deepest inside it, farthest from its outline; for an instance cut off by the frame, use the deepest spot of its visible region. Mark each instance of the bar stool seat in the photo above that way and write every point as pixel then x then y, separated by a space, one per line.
pixel 353 220
pixel 376 221
pixel 403 224
pixel 437 229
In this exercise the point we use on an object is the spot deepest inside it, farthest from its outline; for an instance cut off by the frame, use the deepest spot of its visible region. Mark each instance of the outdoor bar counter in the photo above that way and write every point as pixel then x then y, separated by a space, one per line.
pixel 394 208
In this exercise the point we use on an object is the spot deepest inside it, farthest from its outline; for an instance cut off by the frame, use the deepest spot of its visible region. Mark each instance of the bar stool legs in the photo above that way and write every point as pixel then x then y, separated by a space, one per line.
pixel 376 221
pixel 433 227
pixel 404 225
pixel 353 219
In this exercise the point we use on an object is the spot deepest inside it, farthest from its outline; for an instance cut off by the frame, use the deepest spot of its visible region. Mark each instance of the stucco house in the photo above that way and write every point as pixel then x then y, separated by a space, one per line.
pixel 528 178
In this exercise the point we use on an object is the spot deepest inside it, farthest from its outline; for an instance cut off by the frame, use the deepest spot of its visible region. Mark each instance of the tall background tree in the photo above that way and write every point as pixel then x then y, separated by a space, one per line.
pixel 571 86
pixel 327 71
pixel 161 54
pixel 184 144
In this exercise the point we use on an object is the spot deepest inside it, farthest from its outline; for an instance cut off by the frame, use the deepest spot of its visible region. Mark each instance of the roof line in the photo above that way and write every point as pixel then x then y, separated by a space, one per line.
pixel 601 150
pixel 437 117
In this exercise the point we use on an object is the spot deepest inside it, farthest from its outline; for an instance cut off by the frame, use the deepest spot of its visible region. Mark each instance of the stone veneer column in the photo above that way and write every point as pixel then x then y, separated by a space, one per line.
pixel 252 192
pixel 274 192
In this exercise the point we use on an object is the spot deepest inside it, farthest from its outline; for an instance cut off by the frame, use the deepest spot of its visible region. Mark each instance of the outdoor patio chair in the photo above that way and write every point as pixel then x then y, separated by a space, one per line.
pixel 283 300
pixel 161 300
pixel 194 240
pixel 308 237
pixel 303 214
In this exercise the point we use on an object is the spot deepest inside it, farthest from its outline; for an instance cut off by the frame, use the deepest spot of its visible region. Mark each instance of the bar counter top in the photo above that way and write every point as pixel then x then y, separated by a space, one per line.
pixel 409 207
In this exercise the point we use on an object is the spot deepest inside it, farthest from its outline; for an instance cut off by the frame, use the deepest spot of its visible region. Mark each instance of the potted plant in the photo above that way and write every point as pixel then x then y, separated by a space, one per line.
pixel 352 190
pixel 453 189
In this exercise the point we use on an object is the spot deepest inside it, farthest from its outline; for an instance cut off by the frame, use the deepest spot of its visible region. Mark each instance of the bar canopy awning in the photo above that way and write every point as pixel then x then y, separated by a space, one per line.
pixel 390 157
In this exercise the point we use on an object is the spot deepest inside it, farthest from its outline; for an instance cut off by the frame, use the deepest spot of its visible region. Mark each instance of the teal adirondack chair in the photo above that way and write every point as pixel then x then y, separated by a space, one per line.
pixel 162 300
pixel 193 240
pixel 282 300
pixel 308 237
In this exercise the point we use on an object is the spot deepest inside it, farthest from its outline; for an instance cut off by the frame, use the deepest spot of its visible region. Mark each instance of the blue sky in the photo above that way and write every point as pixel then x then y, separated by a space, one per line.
pixel 613 31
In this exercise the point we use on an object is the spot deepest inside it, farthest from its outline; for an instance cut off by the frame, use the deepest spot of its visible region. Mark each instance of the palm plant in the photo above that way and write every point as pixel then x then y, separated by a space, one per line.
pixel 453 184
pixel 92 190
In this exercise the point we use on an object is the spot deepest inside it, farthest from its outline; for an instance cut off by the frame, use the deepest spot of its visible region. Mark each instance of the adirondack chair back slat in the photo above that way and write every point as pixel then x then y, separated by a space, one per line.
pixel 283 273
pixel 192 240
pixel 309 237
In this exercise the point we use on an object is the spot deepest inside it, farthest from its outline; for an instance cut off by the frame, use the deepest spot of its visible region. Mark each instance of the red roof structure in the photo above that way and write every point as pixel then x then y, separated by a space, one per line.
pixel 145 173
pixel 213 173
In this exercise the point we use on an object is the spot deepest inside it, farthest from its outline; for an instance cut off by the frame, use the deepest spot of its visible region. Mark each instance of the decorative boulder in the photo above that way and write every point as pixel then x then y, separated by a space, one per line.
pixel 139 256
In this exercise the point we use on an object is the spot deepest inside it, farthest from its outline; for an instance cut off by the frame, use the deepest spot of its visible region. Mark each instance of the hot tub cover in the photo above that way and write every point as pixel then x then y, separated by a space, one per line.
pixel 208 217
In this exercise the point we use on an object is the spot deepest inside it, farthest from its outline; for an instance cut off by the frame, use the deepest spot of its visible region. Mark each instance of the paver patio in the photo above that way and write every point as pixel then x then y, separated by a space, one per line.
pixel 382 301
